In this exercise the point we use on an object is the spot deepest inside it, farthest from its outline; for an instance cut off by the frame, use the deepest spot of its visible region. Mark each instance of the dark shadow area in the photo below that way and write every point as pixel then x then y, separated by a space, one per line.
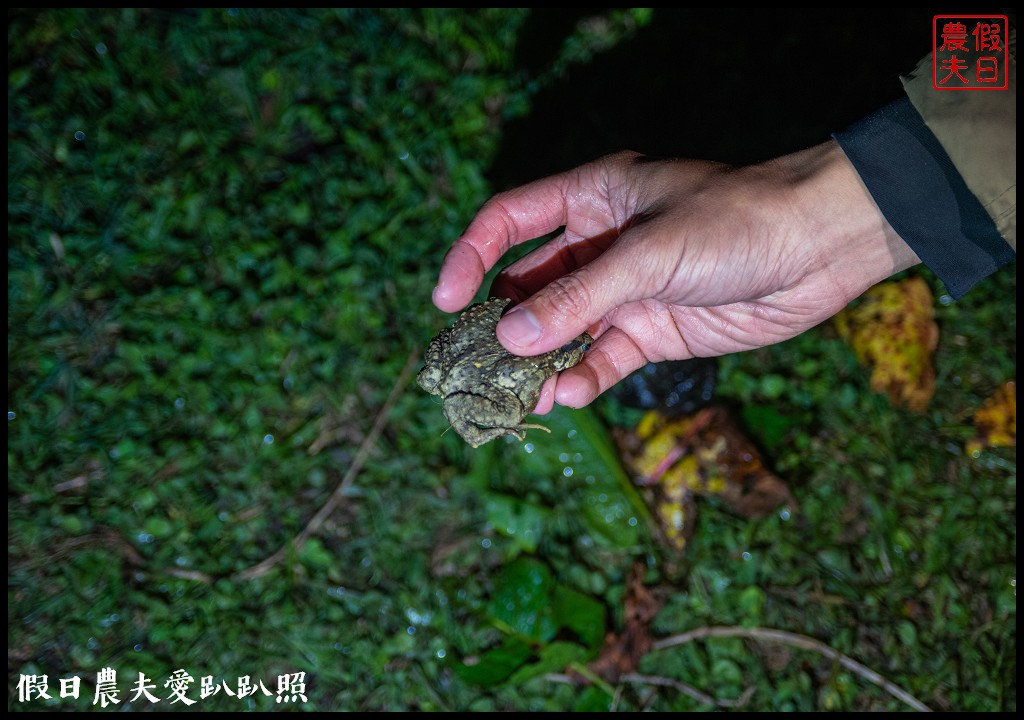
pixel 736 86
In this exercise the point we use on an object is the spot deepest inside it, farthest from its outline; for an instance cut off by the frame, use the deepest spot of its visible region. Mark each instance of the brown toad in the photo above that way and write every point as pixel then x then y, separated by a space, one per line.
pixel 487 390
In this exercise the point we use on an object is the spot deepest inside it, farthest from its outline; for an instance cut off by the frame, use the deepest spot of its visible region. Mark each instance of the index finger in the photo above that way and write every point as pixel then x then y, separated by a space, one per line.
pixel 507 219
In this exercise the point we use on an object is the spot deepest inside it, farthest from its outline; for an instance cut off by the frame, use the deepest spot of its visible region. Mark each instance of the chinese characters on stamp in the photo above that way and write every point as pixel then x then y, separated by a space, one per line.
pixel 970 52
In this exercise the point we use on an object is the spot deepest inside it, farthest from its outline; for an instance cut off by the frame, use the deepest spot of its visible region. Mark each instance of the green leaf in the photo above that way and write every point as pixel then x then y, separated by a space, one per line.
pixel 552 659
pixel 521 602
pixel 314 553
pixel 497 664
pixel 581 614
pixel 580 453
pixel 593 699
pixel 768 423
pixel 521 521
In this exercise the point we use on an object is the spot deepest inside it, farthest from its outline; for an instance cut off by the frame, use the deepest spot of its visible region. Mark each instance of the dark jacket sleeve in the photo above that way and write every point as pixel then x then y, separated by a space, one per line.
pixel 942 167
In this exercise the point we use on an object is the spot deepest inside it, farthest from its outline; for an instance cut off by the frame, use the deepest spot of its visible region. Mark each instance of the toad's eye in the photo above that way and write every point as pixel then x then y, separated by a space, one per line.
pixel 576 344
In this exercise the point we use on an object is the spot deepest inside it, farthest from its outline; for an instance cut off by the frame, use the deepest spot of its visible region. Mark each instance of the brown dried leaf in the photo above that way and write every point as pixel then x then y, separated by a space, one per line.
pixel 622 652
pixel 995 423
pixel 893 331
pixel 701 454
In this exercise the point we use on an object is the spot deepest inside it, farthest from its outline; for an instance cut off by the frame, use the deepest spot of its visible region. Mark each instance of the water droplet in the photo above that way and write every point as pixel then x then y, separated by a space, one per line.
pixel 268 439
pixel 632 522
pixel 101 48
pixel 563 457
pixel 417 618
pixel 578 457
pixel 411 630
pixel 404 156
pixel 93 643
pixel 288 383
pixel 746 555
pixel 365 562
pixel 137 647
pixel 181 561
pixel 567 471
pixel 179 403
pixel 528 447
pixel 144 537
pixel 440 654
pixel 79 136
pixel 784 513
pixel 485 543
pixel 945 299
pixel 10 415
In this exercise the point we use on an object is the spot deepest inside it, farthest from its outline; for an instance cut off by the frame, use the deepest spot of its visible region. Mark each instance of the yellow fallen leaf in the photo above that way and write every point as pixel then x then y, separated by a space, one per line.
pixel 995 423
pixel 892 330
pixel 677 460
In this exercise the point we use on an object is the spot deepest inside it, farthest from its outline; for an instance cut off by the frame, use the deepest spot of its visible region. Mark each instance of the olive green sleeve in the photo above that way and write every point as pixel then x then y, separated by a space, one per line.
pixel 978 130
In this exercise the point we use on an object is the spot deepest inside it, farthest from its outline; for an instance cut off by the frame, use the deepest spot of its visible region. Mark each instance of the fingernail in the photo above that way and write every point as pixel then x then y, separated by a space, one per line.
pixel 520 327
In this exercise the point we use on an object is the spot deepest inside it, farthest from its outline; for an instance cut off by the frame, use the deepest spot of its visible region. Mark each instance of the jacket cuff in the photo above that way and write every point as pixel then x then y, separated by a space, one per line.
pixel 921 194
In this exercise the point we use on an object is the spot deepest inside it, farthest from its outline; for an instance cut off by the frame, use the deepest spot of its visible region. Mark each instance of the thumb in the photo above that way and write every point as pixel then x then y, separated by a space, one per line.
pixel 574 302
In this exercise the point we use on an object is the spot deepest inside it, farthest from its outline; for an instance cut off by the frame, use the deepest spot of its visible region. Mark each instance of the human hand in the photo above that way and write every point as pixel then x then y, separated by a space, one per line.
pixel 668 260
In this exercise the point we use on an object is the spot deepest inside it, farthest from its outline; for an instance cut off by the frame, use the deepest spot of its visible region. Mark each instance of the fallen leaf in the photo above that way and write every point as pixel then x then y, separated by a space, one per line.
pixel 698 455
pixel 995 423
pixel 622 652
pixel 892 330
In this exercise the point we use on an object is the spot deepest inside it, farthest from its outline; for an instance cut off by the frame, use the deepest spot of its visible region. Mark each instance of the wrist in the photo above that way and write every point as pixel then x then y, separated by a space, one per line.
pixel 853 243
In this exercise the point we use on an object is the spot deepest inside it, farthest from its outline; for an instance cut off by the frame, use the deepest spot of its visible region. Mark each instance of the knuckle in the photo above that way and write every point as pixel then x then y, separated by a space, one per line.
pixel 623 157
pixel 570 300
pixel 499 220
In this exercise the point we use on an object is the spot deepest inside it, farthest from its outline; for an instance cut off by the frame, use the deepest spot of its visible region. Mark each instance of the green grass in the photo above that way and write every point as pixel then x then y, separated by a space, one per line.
pixel 223 232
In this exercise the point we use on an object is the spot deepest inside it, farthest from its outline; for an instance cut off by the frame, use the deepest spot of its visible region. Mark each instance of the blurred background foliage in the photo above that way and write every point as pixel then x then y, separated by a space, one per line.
pixel 223 230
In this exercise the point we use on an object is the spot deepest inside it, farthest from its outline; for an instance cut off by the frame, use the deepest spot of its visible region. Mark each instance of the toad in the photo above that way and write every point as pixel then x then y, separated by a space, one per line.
pixel 486 390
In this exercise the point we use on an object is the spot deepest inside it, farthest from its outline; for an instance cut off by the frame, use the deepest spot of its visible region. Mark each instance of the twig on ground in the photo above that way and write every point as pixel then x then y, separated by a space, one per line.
pixel 800 641
pixel 334 500
pixel 687 689
pixel 636 678
pixel 296 543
